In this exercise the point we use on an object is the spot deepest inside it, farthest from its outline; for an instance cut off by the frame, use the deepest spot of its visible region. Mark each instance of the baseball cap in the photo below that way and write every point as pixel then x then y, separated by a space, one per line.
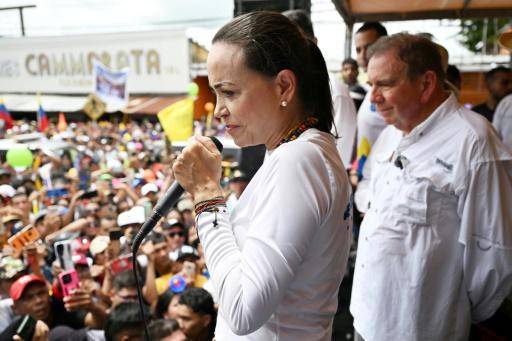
pixel 19 286
pixel 133 216
pixel 173 223
pixel 149 187
pixel 98 245
pixel 185 204
pixel 10 217
pixel 7 191
pixel 10 267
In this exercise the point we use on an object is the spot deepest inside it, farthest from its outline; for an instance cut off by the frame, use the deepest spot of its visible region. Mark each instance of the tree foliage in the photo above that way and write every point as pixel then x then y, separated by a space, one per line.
pixel 472 32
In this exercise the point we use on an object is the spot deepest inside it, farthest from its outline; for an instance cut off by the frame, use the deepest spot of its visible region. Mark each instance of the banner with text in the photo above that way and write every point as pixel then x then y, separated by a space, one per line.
pixel 158 62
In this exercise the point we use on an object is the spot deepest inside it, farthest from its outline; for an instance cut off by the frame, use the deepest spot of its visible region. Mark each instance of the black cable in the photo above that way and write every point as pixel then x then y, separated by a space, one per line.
pixel 139 295
pixel 161 209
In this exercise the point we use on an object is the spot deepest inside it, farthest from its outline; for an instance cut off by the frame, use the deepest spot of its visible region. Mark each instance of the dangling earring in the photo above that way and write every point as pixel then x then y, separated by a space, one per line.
pixel 284 104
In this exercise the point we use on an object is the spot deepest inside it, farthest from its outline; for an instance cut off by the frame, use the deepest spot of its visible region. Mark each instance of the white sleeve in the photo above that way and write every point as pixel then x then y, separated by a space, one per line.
pixel 486 233
pixel 346 125
pixel 251 281
pixel 502 120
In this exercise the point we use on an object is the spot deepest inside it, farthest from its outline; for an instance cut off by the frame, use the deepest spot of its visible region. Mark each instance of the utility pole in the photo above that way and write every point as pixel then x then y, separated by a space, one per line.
pixel 20 9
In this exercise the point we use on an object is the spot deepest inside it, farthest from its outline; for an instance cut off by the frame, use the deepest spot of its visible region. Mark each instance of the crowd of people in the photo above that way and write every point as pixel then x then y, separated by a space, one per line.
pixel 432 180
pixel 89 197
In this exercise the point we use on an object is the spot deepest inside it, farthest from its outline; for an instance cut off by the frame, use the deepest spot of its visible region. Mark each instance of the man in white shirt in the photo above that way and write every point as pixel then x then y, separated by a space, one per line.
pixel 435 247
pixel 502 119
pixel 344 109
pixel 369 122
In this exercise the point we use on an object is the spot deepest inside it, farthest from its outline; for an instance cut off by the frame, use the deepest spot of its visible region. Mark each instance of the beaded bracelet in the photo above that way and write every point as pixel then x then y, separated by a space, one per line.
pixel 210 205
pixel 206 205
pixel 218 197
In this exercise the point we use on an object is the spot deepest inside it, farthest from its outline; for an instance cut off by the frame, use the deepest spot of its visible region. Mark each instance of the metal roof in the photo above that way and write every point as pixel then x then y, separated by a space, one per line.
pixel 353 11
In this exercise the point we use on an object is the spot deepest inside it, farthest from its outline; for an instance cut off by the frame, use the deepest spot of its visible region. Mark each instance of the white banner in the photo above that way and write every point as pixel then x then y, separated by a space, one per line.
pixel 110 86
pixel 158 62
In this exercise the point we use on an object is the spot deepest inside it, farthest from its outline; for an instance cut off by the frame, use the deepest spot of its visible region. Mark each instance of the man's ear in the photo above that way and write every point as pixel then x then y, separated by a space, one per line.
pixel 17 308
pixel 287 84
pixel 428 85
pixel 206 319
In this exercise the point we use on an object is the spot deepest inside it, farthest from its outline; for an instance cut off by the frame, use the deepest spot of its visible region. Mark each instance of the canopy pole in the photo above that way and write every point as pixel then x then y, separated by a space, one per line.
pixel 348 39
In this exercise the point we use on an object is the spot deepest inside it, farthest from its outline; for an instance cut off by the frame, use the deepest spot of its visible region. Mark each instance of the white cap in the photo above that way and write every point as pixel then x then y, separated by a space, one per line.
pixel 132 216
pixel 149 187
pixel 7 191
pixel 98 245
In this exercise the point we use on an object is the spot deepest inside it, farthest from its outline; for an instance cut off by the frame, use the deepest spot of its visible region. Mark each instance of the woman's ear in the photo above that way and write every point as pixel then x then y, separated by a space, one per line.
pixel 286 84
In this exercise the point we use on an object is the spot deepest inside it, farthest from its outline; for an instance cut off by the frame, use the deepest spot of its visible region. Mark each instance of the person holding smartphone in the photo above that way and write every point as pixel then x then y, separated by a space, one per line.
pixel 30 295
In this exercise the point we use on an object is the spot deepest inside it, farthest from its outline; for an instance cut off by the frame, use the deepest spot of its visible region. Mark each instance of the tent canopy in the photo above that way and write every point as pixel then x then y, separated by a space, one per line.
pixel 354 11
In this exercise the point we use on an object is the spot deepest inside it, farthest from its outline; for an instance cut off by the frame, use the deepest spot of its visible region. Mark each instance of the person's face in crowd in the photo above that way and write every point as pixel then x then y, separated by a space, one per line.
pixel 194 325
pixel 52 222
pixel 35 302
pixel 176 237
pixel 21 202
pixel 41 228
pixel 123 295
pixel 398 99
pixel 172 309
pixel 363 40
pixel 188 217
pixel 174 214
pixel 349 73
pixel 247 101
pixel 161 253
pixel 500 85
pixel 106 224
pixel 101 258
pixel 192 234
pixel 5 179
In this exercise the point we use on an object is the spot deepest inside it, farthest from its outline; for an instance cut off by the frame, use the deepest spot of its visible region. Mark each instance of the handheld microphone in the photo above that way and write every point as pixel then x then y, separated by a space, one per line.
pixel 164 205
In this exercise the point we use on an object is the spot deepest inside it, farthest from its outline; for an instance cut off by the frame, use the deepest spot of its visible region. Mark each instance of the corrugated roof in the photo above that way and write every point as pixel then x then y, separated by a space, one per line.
pixel 378 10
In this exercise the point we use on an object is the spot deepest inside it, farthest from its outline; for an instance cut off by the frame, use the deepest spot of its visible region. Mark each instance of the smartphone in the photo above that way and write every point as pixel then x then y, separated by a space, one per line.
pixel 57 192
pixel 27 328
pixel 189 270
pixel 27 235
pixel 69 281
pixel 64 254
pixel 115 234
pixel 89 194
pixel 121 264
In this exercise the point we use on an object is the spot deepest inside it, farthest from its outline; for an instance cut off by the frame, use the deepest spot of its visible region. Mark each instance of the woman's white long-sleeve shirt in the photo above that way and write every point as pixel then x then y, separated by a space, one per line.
pixel 277 260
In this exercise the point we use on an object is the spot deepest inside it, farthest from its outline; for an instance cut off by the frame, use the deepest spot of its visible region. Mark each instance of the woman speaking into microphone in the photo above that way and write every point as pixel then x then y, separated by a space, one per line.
pixel 276 261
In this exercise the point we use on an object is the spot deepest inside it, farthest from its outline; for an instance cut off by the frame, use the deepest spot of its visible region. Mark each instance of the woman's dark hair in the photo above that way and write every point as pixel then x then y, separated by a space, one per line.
pixel 162 304
pixel 272 43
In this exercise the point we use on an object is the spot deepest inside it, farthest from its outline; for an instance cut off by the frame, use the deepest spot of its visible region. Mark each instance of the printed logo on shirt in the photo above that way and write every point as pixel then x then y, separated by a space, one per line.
pixel 446 165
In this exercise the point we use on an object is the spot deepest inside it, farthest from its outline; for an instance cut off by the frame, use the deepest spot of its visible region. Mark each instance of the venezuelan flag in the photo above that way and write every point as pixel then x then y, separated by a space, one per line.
pixel 42 119
pixel 5 116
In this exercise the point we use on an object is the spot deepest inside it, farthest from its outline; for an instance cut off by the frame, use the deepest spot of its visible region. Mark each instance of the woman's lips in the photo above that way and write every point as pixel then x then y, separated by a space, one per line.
pixel 231 127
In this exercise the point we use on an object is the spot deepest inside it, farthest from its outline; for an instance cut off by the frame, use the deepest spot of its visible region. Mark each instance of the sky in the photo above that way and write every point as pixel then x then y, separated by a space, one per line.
pixel 201 17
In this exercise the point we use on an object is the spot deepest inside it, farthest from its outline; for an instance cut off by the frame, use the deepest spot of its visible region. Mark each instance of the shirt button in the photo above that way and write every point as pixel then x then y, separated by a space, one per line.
pixel 366 238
